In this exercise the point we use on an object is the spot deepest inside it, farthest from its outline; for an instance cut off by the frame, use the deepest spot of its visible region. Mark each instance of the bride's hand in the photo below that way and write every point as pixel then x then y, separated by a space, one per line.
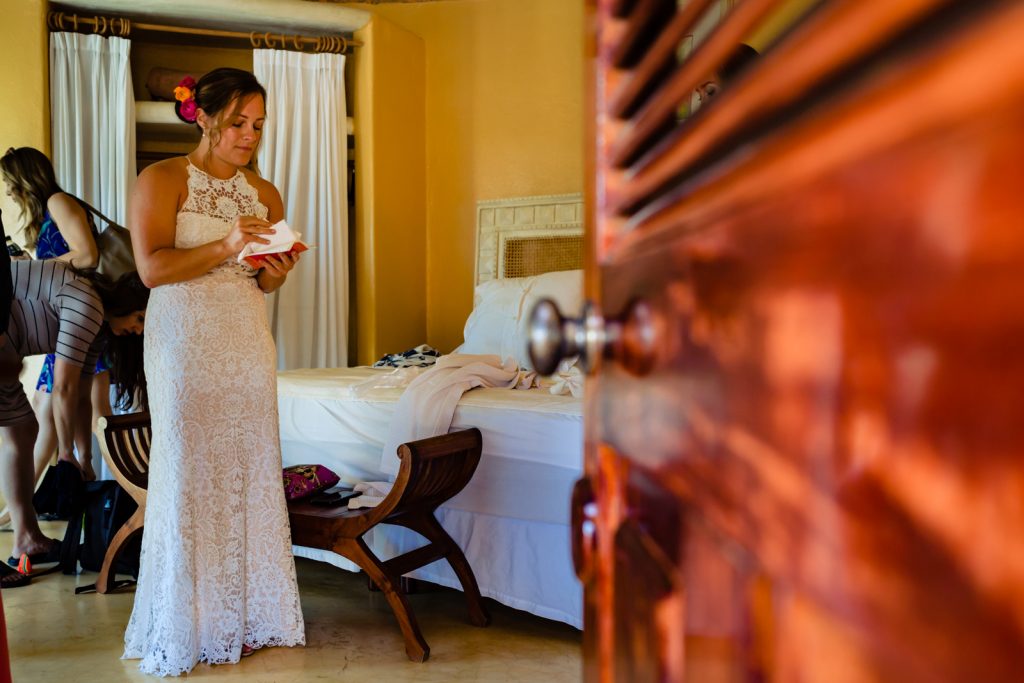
pixel 245 230
pixel 278 265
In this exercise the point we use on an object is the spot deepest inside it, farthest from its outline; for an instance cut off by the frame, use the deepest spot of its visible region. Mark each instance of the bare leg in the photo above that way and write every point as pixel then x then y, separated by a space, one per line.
pixel 16 484
pixel 5 511
pixel 45 445
pixel 46 442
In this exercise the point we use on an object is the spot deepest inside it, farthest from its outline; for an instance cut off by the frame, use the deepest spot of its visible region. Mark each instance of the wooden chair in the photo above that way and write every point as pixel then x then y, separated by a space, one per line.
pixel 431 472
pixel 125 445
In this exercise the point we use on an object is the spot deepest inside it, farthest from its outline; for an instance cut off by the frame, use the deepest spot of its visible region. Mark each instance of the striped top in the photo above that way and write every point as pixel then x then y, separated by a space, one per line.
pixel 55 311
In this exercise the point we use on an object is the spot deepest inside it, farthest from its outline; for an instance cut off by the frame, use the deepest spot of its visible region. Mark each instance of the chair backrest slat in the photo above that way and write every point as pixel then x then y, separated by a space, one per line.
pixel 128 439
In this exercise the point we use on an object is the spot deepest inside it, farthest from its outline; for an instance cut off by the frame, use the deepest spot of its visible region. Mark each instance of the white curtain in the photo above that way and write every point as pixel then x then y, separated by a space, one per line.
pixel 92 119
pixel 303 154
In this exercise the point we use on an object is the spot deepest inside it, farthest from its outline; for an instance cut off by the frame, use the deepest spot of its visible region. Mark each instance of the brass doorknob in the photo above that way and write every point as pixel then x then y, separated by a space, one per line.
pixel 554 337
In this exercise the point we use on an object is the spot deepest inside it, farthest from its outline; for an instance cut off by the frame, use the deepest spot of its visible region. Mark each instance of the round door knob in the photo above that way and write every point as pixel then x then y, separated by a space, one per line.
pixel 630 341
pixel 554 338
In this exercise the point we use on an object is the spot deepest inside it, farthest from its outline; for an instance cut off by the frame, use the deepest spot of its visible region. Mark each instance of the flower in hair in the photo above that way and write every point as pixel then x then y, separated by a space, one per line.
pixel 185 94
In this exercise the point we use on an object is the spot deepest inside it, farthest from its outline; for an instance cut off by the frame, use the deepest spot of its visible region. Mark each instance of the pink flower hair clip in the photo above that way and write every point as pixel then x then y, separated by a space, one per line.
pixel 185 94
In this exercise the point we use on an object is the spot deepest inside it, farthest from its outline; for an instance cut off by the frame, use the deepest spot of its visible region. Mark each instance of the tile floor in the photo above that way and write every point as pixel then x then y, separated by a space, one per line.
pixel 351 635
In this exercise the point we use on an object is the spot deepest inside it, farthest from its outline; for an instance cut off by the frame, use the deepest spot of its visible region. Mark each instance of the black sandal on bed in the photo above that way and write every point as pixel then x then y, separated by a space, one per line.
pixel 11 578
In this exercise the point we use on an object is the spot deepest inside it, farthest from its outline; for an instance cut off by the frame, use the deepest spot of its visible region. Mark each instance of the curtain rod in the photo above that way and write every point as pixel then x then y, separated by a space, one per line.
pixel 122 27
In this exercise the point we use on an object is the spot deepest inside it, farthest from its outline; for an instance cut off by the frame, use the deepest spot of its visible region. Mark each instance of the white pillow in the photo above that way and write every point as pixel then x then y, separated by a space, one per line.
pixel 565 287
pixel 491 327
pixel 501 311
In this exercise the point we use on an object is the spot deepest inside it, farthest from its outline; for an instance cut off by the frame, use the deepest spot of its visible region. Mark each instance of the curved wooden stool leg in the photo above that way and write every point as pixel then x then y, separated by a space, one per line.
pixel 431 529
pixel 416 647
pixel 124 534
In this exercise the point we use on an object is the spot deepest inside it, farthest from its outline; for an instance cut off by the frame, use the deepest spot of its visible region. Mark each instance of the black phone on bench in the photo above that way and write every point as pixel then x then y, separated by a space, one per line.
pixel 333 497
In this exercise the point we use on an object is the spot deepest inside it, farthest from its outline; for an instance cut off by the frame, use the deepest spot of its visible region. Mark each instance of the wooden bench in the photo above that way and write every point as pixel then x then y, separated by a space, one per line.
pixel 431 472
pixel 125 446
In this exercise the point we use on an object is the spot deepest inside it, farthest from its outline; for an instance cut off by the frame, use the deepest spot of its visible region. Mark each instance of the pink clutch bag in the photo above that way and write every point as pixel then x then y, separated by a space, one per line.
pixel 305 480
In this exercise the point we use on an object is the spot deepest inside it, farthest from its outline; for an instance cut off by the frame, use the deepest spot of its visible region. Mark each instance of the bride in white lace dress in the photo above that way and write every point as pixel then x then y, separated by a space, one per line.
pixel 217 578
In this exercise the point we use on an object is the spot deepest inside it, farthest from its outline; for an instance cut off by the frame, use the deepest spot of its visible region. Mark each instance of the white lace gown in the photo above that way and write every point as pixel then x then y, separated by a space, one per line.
pixel 217 569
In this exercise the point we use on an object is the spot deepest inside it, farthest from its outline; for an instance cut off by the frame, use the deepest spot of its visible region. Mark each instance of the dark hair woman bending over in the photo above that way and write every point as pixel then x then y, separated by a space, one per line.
pixel 55 309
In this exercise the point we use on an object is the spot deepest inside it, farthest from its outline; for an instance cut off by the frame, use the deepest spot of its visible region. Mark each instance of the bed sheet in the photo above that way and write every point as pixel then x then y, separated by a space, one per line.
pixel 511 521
pixel 532 440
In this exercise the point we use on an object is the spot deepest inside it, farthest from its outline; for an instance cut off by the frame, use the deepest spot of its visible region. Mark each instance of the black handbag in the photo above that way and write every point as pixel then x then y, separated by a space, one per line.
pixel 114 244
pixel 100 511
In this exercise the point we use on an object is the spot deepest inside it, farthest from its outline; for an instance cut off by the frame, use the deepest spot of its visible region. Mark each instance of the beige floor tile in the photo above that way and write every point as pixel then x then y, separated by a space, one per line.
pixel 351 635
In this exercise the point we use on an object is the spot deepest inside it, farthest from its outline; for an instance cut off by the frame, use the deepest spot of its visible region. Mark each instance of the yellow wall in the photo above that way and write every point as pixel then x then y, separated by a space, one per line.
pixel 504 118
pixel 24 81
pixel 25 122
pixel 388 309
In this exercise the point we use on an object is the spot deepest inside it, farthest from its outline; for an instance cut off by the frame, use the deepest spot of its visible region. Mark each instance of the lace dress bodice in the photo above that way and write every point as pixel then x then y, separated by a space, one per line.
pixel 210 210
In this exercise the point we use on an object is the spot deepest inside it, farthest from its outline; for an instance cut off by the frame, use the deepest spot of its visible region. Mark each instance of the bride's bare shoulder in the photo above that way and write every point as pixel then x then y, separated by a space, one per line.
pixel 268 194
pixel 173 170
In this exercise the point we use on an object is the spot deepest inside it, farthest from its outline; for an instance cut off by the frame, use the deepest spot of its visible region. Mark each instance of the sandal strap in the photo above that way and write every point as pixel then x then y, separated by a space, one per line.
pixel 11 578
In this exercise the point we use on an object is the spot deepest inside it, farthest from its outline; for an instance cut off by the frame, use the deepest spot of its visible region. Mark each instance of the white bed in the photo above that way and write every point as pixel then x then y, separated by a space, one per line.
pixel 512 520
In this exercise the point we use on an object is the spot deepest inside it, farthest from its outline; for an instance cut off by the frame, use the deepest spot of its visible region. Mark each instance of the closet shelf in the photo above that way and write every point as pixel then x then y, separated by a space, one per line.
pixel 161 114
pixel 156 122
pixel 157 113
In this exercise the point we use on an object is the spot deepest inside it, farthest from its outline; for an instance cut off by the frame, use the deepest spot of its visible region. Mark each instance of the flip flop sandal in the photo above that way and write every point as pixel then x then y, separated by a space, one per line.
pixel 44 557
pixel 11 578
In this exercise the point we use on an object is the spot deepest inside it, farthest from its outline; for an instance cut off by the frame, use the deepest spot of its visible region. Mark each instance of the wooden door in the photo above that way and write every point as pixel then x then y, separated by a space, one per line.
pixel 805 441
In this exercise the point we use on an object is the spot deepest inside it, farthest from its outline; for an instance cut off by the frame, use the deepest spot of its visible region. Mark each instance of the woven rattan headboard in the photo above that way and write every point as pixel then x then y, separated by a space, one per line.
pixel 528 235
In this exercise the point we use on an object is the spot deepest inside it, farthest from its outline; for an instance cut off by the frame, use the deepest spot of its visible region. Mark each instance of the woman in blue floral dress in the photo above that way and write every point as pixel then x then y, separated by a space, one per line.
pixel 59 228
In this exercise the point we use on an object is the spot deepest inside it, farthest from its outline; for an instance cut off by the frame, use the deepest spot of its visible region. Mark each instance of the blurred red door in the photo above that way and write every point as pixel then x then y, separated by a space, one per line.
pixel 805 448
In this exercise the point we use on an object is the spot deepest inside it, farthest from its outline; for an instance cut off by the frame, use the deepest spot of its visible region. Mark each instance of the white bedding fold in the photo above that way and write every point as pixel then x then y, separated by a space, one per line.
pixel 428 404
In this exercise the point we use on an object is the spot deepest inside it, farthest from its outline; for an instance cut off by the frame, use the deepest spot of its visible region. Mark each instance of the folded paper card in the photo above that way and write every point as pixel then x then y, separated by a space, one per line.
pixel 284 240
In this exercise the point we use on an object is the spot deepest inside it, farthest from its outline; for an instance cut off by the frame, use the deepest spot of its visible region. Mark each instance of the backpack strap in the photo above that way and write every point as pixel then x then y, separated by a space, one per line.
pixel 89 208
pixel 116 257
